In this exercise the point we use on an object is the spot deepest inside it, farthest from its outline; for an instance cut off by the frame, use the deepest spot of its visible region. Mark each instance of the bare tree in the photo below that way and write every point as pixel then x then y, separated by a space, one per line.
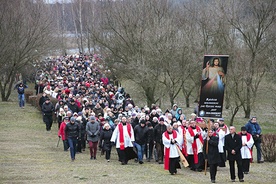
pixel 138 36
pixel 253 21
pixel 25 36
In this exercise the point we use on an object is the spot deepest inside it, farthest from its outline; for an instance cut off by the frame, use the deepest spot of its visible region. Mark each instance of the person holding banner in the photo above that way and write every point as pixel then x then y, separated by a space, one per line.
pixel 213 74
pixel 211 153
pixel 221 135
pixel 194 146
pixel 170 139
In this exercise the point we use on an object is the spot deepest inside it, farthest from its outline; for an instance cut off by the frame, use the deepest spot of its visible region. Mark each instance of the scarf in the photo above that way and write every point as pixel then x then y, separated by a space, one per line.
pixel 194 145
pixel 248 138
pixel 167 150
pixel 184 145
pixel 121 134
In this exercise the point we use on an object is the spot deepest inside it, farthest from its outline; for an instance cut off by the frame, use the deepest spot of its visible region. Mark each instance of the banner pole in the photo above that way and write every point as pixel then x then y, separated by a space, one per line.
pixel 207 142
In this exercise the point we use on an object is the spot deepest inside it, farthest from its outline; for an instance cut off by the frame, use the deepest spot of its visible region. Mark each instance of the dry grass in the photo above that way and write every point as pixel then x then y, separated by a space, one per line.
pixel 29 154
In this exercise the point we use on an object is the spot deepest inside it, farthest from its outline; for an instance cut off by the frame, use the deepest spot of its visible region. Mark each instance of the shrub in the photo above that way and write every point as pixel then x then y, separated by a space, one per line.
pixel 32 100
pixel 269 147
pixel 27 94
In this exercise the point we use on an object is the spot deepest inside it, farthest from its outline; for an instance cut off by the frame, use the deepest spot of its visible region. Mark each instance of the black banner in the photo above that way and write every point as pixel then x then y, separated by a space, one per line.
pixel 212 86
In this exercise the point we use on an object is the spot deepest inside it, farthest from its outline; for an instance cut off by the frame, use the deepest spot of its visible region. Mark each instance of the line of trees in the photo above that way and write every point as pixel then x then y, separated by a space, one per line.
pixel 25 35
pixel 157 44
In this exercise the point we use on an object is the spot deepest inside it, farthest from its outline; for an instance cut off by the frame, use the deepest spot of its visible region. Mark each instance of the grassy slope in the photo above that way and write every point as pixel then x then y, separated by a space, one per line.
pixel 29 154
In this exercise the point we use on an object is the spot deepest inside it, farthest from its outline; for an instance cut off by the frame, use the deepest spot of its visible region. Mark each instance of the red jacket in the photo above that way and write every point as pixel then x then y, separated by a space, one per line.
pixel 61 131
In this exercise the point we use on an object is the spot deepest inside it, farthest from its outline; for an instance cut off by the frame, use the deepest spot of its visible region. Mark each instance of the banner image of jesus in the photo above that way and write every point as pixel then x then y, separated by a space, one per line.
pixel 212 86
pixel 213 74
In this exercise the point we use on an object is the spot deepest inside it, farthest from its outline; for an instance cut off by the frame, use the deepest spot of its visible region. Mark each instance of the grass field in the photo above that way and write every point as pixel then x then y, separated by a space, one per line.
pixel 29 154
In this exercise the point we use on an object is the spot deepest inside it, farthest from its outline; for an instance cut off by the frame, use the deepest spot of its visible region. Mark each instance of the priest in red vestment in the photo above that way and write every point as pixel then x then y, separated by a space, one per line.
pixel 170 140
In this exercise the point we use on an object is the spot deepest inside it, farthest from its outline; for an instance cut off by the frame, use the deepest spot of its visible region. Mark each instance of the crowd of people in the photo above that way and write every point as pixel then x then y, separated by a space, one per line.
pixel 93 110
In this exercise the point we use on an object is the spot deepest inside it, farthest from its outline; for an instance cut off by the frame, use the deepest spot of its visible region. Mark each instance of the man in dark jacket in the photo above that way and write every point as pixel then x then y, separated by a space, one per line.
pixel 233 144
pixel 72 133
pixel 73 106
pixel 150 144
pixel 21 94
pixel 211 153
pixel 158 132
pixel 141 138
pixel 98 109
pixel 42 99
pixel 82 127
pixel 47 110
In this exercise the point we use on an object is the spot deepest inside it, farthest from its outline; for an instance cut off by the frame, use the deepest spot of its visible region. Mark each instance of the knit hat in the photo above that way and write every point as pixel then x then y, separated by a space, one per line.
pixel 142 122
pixel 66 117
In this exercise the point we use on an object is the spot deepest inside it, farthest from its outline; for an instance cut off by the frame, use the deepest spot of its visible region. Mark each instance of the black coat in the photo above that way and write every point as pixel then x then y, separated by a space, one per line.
pixel 158 132
pixel 141 134
pixel 212 156
pixel 48 108
pixel 150 135
pixel 72 130
pixel 73 108
pixel 234 143
pixel 105 137
pixel 42 100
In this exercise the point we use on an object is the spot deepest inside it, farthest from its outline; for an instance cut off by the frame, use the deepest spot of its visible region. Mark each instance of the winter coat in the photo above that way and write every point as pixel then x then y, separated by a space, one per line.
pixel 42 100
pixel 177 115
pixel 61 131
pixel 74 108
pixel 134 122
pixel 105 137
pixel 82 127
pixel 72 130
pixel 234 143
pixel 158 132
pixel 212 156
pixel 97 111
pixel 48 108
pixel 141 134
pixel 93 131
pixel 253 128
pixel 150 135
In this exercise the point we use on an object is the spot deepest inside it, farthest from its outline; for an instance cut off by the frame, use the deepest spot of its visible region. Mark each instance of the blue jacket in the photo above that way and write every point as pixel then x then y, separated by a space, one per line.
pixel 177 114
pixel 253 128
